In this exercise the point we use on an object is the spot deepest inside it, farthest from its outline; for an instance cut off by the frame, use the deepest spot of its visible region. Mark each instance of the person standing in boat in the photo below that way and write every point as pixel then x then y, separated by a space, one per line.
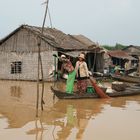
pixel 82 74
pixel 67 66
pixel 127 66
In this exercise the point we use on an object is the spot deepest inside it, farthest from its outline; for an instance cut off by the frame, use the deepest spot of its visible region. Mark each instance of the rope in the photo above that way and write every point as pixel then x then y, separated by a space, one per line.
pixel 50 17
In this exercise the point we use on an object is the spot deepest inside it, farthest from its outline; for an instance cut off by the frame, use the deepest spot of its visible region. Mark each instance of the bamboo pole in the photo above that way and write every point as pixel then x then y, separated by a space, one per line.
pixel 40 66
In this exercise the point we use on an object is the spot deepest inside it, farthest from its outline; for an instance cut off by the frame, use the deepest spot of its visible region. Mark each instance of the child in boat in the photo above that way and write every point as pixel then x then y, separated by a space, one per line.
pixel 82 74
pixel 67 65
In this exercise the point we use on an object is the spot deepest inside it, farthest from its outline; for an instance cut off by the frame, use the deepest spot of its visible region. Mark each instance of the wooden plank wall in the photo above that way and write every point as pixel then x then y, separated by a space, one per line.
pixel 22 46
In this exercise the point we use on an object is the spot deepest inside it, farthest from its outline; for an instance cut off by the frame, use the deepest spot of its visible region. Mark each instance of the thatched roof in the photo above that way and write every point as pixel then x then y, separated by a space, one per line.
pixel 85 40
pixel 132 46
pixel 132 50
pixel 65 41
pixel 58 39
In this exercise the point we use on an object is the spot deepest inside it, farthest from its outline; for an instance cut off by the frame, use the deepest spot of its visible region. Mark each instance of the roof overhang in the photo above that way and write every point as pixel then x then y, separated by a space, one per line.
pixel 121 55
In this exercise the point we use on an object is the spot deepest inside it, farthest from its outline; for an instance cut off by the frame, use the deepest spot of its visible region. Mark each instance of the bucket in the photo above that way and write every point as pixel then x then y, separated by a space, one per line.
pixel 90 90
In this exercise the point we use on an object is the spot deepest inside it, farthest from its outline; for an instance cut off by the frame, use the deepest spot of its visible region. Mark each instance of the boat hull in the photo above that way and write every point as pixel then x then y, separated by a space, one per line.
pixel 131 79
pixel 130 91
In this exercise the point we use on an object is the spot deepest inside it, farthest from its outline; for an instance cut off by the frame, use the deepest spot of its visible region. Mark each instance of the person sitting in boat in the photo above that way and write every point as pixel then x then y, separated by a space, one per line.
pixel 67 66
pixel 117 69
pixel 82 74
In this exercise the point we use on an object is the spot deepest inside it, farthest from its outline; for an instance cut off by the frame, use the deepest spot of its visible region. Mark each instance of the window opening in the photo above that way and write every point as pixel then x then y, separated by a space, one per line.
pixel 16 67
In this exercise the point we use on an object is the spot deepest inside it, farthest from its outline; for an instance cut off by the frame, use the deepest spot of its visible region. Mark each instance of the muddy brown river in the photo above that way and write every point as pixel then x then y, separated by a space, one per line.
pixel 90 119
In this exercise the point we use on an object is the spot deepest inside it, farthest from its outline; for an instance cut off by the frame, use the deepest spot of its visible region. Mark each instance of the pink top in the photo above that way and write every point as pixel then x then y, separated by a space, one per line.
pixel 67 66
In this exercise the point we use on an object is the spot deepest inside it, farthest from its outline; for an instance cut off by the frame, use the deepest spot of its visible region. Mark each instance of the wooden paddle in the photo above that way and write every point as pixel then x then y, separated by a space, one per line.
pixel 98 90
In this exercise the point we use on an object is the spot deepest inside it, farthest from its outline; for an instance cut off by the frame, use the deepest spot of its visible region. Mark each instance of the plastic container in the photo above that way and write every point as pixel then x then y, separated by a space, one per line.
pixel 90 90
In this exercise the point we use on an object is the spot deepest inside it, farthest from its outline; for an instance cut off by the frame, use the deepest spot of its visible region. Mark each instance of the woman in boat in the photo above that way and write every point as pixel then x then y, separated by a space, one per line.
pixel 82 74
pixel 67 65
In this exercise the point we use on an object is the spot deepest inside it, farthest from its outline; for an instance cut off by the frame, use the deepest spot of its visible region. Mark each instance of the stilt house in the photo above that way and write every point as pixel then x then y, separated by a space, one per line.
pixel 19 52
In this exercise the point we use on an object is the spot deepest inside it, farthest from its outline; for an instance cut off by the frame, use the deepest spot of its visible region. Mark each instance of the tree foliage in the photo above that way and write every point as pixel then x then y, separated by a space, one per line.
pixel 116 47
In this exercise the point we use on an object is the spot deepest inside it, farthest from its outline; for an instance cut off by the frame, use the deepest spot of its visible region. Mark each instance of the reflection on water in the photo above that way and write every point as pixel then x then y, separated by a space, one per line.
pixel 116 118
pixel 38 130
pixel 16 91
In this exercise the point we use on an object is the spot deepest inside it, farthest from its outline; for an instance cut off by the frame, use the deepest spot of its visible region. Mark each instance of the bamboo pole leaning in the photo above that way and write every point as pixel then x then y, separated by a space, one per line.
pixel 40 66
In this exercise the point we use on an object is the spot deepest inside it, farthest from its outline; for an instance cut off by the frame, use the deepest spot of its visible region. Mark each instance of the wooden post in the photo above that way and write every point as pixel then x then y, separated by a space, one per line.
pixel 55 75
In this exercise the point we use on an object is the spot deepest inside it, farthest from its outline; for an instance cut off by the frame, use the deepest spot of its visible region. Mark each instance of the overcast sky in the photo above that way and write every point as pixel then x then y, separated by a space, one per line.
pixel 104 21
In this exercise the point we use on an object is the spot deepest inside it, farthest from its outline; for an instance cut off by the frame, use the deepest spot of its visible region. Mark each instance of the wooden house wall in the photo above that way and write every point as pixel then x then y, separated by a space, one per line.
pixel 99 62
pixel 22 46
pixel 29 65
pixel 95 62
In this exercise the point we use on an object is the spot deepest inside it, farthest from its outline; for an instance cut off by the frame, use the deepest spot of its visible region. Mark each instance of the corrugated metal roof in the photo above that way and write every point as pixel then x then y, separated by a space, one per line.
pixel 121 54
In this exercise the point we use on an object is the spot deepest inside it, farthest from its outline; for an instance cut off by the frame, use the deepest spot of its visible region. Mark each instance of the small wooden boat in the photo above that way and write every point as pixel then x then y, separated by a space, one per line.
pixel 132 79
pixel 130 91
